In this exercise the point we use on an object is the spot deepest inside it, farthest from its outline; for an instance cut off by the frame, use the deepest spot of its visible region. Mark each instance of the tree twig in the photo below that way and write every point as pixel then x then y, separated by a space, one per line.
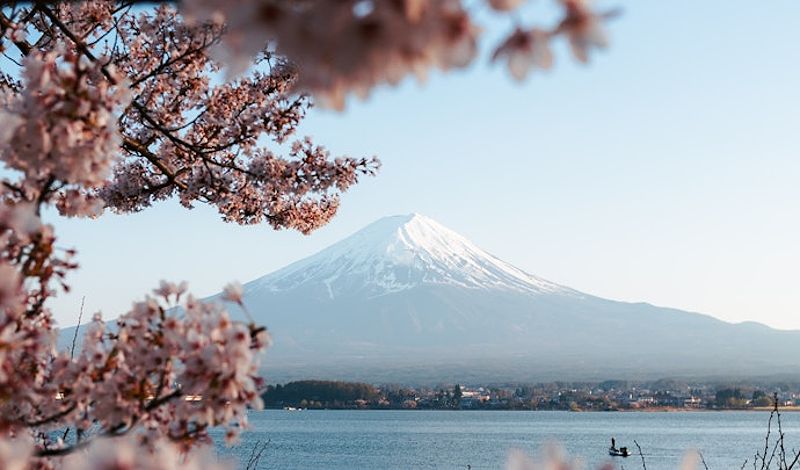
pixel 794 461
pixel 77 327
pixel 644 465
pixel 780 431
pixel 702 460
pixel 256 454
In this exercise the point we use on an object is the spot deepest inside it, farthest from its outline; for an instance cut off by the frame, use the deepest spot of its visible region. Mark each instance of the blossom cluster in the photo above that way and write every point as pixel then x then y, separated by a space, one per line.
pixel 351 46
pixel 175 374
pixel 63 124
pixel 109 454
pixel 98 123
pixel 112 107
pixel 163 376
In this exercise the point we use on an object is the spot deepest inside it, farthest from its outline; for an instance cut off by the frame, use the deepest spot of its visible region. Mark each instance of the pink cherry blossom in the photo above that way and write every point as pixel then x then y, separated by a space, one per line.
pixel 349 47
pixel 505 5
pixel 65 124
pixel 15 453
pixel 524 50
pixel 10 286
pixel 584 28
pixel 125 453
pixel 233 292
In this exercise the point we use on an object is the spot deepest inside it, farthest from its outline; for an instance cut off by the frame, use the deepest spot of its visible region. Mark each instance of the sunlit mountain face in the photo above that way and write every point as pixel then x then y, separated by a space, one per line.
pixel 402 253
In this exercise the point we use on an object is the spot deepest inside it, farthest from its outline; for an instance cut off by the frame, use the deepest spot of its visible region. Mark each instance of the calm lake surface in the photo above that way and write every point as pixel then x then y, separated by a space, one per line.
pixel 452 439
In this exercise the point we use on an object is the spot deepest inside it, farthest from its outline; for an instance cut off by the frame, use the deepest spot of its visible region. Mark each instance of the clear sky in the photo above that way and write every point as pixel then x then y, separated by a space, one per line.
pixel 667 171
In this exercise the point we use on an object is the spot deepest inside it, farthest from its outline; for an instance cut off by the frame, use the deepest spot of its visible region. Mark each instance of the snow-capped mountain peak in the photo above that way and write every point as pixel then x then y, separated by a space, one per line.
pixel 402 252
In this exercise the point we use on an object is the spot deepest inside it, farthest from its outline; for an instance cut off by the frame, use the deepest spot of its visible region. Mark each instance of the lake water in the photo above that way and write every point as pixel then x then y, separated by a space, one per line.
pixel 452 439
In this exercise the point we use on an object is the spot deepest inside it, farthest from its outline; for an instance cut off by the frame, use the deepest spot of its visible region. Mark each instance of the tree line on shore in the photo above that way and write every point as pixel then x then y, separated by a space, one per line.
pixel 603 396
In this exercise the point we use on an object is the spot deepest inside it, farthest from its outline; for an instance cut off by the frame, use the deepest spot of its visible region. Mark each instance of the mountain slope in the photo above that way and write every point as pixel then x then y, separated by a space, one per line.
pixel 408 299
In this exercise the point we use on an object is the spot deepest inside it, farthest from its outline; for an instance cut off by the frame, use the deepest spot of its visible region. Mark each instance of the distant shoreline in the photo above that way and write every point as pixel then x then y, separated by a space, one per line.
pixel 654 409
pixel 606 396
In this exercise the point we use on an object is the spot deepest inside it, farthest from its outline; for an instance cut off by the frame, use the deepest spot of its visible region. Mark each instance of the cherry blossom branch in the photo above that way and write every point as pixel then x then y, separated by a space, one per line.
pixel 115 431
pixel 52 418
pixel 140 149
pixel 175 60
pixel 322 209
pixel 22 45
pixel 84 49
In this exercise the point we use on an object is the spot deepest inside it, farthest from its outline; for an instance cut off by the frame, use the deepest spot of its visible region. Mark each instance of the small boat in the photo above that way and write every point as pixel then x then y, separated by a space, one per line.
pixel 621 452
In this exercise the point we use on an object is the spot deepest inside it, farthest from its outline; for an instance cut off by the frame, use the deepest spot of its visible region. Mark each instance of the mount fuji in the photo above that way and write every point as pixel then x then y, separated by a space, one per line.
pixel 407 299
pixel 402 253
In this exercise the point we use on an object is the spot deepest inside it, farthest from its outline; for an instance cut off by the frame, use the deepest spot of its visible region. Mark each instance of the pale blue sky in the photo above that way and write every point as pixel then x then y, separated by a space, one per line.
pixel 666 171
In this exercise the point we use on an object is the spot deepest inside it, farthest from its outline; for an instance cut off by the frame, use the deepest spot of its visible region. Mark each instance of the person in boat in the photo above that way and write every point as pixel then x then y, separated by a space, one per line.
pixel 613 444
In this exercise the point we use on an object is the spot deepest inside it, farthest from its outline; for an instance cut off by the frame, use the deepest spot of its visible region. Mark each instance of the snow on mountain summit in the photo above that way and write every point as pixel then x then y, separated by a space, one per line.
pixel 398 253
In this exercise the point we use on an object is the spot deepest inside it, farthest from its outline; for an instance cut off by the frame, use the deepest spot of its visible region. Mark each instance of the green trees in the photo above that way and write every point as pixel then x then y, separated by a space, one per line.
pixel 455 399
pixel 320 393
pixel 761 399
pixel 730 398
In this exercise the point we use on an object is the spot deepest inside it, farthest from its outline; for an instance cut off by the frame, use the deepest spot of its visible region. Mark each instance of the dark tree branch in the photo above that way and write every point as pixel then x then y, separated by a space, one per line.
pixel 115 431
pixel 77 327
pixel 644 465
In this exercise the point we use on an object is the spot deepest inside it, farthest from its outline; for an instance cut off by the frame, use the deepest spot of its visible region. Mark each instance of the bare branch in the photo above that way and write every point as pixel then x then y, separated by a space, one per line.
pixel 644 465
pixel 256 454
pixel 702 460
pixel 77 327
